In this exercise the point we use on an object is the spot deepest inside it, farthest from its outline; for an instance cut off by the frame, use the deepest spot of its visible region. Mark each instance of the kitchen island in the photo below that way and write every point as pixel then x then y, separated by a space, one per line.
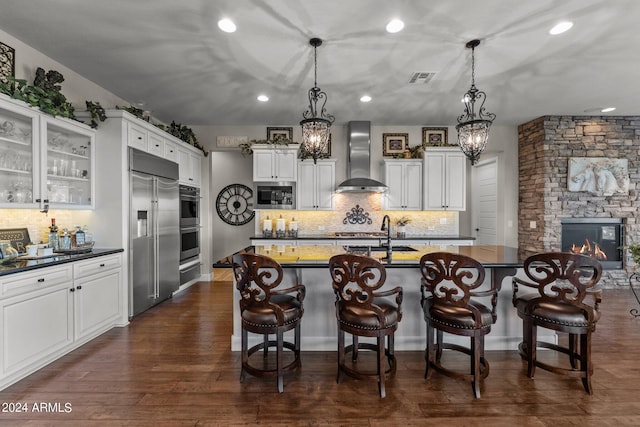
pixel 308 264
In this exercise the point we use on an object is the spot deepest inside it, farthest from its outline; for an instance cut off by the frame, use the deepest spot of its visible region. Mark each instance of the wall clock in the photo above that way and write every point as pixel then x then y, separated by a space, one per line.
pixel 235 204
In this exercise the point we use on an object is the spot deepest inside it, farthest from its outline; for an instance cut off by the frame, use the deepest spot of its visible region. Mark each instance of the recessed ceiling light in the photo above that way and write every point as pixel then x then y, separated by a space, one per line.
pixel 607 110
pixel 365 98
pixel 561 27
pixel 394 26
pixel 227 25
pixel 263 98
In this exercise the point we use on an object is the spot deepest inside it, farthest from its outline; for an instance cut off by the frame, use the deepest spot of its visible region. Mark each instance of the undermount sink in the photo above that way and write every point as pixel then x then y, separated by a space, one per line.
pixel 369 249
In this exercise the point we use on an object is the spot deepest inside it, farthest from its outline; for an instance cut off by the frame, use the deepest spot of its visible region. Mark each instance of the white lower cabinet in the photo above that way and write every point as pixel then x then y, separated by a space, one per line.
pixel 50 311
pixel 97 295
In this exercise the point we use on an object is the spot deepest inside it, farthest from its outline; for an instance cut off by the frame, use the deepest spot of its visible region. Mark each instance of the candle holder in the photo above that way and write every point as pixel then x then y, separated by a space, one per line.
pixel 293 234
pixel 280 234
pixel 267 234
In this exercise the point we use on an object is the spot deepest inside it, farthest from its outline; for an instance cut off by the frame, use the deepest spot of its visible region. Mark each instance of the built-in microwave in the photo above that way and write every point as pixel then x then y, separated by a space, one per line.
pixel 274 195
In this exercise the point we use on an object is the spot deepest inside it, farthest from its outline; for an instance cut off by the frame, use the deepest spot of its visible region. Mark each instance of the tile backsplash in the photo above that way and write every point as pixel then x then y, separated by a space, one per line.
pixel 38 223
pixel 423 223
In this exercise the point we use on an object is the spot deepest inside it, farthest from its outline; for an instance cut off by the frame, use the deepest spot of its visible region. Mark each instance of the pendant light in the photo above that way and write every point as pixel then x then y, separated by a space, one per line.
pixel 317 122
pixel 473 127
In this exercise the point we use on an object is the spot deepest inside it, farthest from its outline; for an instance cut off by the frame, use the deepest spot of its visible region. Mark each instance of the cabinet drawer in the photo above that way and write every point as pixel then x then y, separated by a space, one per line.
pixel 27 282
pixel 96 265
pixel 137 137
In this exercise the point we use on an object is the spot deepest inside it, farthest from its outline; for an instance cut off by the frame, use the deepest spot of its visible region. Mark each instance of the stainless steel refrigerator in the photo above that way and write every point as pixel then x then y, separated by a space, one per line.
pixel 154 224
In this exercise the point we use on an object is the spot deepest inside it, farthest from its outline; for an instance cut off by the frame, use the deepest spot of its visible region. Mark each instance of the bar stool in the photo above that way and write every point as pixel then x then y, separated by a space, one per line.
pixel 449 281
pixel 265 310
pixel 564 302
pixel 363 311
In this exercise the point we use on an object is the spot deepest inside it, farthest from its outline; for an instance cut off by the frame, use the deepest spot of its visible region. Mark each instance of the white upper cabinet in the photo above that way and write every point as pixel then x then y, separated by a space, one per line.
pixel 316 185
pixel 404 181
pixel 275 164
pixel 45 162
pixel 445 179
pixel 190 167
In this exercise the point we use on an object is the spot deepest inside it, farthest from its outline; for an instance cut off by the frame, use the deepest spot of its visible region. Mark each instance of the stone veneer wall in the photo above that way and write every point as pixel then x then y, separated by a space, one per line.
pixel 545 146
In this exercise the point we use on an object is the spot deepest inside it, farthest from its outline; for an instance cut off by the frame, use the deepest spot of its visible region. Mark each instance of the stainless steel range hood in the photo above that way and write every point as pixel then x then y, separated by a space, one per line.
pixel 359 162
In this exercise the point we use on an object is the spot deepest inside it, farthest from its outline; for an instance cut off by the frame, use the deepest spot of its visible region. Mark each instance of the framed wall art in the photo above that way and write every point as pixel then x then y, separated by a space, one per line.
pixel 394 144
pixel 273 134
pixel 434 137
pixel 7 62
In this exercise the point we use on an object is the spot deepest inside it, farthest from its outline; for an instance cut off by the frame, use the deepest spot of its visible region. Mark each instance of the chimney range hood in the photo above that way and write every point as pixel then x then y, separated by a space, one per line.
pixel 359 161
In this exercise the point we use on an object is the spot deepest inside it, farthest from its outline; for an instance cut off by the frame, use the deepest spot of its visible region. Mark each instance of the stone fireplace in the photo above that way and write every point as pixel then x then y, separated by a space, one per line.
pixel 545 147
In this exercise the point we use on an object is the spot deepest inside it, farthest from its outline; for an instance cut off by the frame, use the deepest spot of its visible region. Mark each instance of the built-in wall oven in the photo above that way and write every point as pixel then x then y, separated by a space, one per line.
pixel 189 233
pixel 189 206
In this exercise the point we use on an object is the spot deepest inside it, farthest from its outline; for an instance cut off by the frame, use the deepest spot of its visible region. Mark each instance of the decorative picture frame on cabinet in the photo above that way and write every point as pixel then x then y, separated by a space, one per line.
pixel 394 144
pixel 276 133
pixel 434 137
pixel 7 62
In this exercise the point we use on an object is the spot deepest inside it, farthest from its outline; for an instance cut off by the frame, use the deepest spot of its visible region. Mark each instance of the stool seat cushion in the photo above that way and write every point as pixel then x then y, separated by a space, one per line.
pixel 266 316
pixel 553 312
pixel 458 317
pixel 365 318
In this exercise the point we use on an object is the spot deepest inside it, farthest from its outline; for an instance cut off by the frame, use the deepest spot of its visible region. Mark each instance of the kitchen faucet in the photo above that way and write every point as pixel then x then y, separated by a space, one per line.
pixel 386 225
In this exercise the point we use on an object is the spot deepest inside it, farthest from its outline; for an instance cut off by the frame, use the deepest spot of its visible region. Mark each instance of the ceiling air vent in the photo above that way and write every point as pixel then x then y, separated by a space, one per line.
pixel 421 77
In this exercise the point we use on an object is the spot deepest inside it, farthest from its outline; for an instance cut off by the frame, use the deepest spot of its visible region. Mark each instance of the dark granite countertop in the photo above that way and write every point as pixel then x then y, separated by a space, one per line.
pixel 19 265
pixel 362 236
pixel 311 256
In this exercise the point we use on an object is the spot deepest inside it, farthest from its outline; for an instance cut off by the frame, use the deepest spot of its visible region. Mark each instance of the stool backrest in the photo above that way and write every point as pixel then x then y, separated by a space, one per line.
pixel 356 278
pixel 562 276
pixel 451 278
pixel 255 275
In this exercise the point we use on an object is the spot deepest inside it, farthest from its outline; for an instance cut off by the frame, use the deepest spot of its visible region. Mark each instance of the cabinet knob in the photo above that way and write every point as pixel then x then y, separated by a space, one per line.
pixel 79 287
pixel 40 280
pixel 101 265
pixel 72 290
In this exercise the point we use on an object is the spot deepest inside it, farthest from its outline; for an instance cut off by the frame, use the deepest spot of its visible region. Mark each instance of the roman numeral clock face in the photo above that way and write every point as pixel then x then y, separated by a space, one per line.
pixel 235 204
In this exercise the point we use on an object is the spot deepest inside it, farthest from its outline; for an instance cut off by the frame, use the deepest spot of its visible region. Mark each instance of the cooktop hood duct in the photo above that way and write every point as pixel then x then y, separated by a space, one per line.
pixel 359 161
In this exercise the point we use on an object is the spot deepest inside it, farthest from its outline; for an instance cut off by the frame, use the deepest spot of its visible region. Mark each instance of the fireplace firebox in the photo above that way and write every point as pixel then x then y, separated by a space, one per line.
pixel 600 238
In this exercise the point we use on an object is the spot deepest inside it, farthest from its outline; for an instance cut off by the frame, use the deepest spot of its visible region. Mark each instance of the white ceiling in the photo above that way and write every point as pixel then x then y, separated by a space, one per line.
pixel 171 56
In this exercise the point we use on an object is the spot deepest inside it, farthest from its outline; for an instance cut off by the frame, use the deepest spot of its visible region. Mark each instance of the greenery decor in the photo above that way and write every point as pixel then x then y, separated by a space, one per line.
pixel 44 93
pixel 634 250
pixel 402 221
pixel 246 149
pixel 97 113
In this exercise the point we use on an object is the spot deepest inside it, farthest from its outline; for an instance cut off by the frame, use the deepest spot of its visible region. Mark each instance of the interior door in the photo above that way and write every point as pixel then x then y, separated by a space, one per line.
pixel 485 201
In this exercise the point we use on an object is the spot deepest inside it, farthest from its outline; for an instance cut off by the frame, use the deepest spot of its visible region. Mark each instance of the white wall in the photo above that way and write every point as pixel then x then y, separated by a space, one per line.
pixel 75 88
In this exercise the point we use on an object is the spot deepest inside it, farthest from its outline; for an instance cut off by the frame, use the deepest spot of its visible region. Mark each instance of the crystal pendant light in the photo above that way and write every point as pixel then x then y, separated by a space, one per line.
pixel 473 127
pixel 317 122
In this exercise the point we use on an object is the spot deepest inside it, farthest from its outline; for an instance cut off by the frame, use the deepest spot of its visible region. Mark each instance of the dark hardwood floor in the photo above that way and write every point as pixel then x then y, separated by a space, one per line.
pixel 172 366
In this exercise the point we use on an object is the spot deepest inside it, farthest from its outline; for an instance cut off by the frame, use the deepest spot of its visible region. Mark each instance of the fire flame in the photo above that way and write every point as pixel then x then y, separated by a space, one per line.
pixel 589 249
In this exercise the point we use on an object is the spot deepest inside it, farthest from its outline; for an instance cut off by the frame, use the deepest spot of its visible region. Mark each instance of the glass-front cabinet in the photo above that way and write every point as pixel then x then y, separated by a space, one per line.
pixel 45 162
pixel 18 154
pixel 69 166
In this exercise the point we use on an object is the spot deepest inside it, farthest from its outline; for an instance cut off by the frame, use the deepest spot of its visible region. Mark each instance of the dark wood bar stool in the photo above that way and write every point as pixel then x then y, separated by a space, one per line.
pixel 564 301
pixel 449 281
pixel 266 310
pixel 363 311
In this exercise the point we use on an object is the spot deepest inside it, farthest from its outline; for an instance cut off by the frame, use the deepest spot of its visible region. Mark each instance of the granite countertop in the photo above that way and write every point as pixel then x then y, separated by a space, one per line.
pixel 361 236
pixel 20 264
pixel 317 256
